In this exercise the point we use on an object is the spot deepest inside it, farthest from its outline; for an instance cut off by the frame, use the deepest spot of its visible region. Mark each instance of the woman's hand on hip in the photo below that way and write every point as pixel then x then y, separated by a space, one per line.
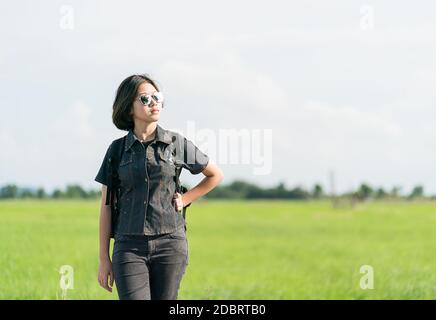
pixel 178 199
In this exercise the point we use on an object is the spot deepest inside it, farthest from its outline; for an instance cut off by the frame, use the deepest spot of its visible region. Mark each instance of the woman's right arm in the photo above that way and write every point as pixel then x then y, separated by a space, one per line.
pixel 105 275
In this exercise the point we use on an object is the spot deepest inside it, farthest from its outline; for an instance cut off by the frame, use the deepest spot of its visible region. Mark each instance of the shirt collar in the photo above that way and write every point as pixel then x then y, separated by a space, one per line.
pixel 161 135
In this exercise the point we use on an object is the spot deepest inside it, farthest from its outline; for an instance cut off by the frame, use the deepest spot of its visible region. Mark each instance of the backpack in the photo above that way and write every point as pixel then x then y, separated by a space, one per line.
pixel 113 186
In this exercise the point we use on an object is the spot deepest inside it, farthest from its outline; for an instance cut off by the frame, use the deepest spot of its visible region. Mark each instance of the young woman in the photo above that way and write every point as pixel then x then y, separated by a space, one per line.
pixel 150 252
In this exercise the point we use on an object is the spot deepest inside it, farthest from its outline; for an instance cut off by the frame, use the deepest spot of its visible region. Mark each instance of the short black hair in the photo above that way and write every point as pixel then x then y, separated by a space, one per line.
pixel 125 95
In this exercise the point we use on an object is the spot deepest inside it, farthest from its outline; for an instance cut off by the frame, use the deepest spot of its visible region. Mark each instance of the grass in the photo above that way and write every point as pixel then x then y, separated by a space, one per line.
pixel 237 250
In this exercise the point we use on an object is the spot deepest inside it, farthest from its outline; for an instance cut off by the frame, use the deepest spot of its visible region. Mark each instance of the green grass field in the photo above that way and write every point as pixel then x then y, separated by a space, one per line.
pixel 237 250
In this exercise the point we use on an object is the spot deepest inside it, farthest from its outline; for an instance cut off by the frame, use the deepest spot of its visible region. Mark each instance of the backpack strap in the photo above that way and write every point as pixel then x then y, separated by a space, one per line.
pixel 114 158
pixel 112 193
pixel 179 188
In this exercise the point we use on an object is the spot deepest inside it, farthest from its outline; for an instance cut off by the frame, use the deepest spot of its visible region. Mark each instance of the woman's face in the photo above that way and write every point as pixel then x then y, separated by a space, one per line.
pixel 148 113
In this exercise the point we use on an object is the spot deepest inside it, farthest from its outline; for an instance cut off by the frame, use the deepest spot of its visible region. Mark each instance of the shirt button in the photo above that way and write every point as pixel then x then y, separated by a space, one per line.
pixel 145 202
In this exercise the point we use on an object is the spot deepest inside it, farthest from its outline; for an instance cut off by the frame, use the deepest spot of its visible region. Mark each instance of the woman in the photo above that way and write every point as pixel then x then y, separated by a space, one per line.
pixel 150 252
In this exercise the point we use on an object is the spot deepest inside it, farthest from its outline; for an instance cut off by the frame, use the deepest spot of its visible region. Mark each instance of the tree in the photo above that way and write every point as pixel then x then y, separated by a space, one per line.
pixel 395 192
pixel 9 191
pixel 417 192
pixel 26 193
pixel 40 193
pixel 380 193
pixel 75 191
pixel 299 193
pixel 317 191
pixel 57 194
pixel 364 192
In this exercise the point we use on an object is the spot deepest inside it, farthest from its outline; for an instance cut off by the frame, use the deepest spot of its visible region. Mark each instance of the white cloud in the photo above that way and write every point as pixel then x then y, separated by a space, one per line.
pixel 7 140
pixel 75 123
pixel 296 36
pixel 348 120
pixel 228 84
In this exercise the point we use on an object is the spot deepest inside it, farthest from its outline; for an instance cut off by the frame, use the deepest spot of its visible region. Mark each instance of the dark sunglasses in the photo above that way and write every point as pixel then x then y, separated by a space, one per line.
pixel 146 98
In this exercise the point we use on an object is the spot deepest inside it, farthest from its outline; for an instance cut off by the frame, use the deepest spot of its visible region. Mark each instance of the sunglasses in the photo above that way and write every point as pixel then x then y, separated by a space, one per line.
pixel 146 98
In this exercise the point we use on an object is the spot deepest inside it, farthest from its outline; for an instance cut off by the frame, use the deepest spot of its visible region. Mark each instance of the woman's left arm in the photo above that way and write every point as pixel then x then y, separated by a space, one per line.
pixel 214 176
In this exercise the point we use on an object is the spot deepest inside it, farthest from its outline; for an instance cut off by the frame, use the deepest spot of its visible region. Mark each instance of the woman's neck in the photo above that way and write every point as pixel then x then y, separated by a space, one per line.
pixel 145 131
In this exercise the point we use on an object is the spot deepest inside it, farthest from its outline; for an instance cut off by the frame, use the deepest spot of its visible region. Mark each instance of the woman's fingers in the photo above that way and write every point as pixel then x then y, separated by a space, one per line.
pixel 103 281
pixel 106 284
pixel 111 277
pixel 178 200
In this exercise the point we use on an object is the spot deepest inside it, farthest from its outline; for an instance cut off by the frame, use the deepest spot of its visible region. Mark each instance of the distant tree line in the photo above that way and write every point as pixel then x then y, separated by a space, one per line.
pixel 245 190
pixel 236 190
pixel 12 191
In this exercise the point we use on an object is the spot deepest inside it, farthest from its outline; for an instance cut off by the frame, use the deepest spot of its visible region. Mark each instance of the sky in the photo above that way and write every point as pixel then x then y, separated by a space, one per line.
pixel 277 91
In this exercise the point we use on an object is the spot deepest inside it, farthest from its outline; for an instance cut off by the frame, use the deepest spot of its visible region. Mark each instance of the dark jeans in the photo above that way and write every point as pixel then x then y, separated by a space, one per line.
pixel 150 267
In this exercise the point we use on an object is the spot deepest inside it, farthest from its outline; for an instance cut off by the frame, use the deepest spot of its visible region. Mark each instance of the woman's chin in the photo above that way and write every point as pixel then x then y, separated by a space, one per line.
pixel 152 119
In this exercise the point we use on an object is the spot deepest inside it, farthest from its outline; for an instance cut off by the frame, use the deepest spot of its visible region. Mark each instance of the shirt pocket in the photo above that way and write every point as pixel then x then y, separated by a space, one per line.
pixel 167 167
pixel 167 173
pixel 125 171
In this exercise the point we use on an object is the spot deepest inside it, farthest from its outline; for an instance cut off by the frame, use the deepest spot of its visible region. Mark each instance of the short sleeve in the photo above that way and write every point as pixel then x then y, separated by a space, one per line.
pixel 194 159
pixel 102 172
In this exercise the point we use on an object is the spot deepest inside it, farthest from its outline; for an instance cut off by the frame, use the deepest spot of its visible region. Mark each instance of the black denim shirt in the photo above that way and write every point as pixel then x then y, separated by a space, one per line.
pixel 147 181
